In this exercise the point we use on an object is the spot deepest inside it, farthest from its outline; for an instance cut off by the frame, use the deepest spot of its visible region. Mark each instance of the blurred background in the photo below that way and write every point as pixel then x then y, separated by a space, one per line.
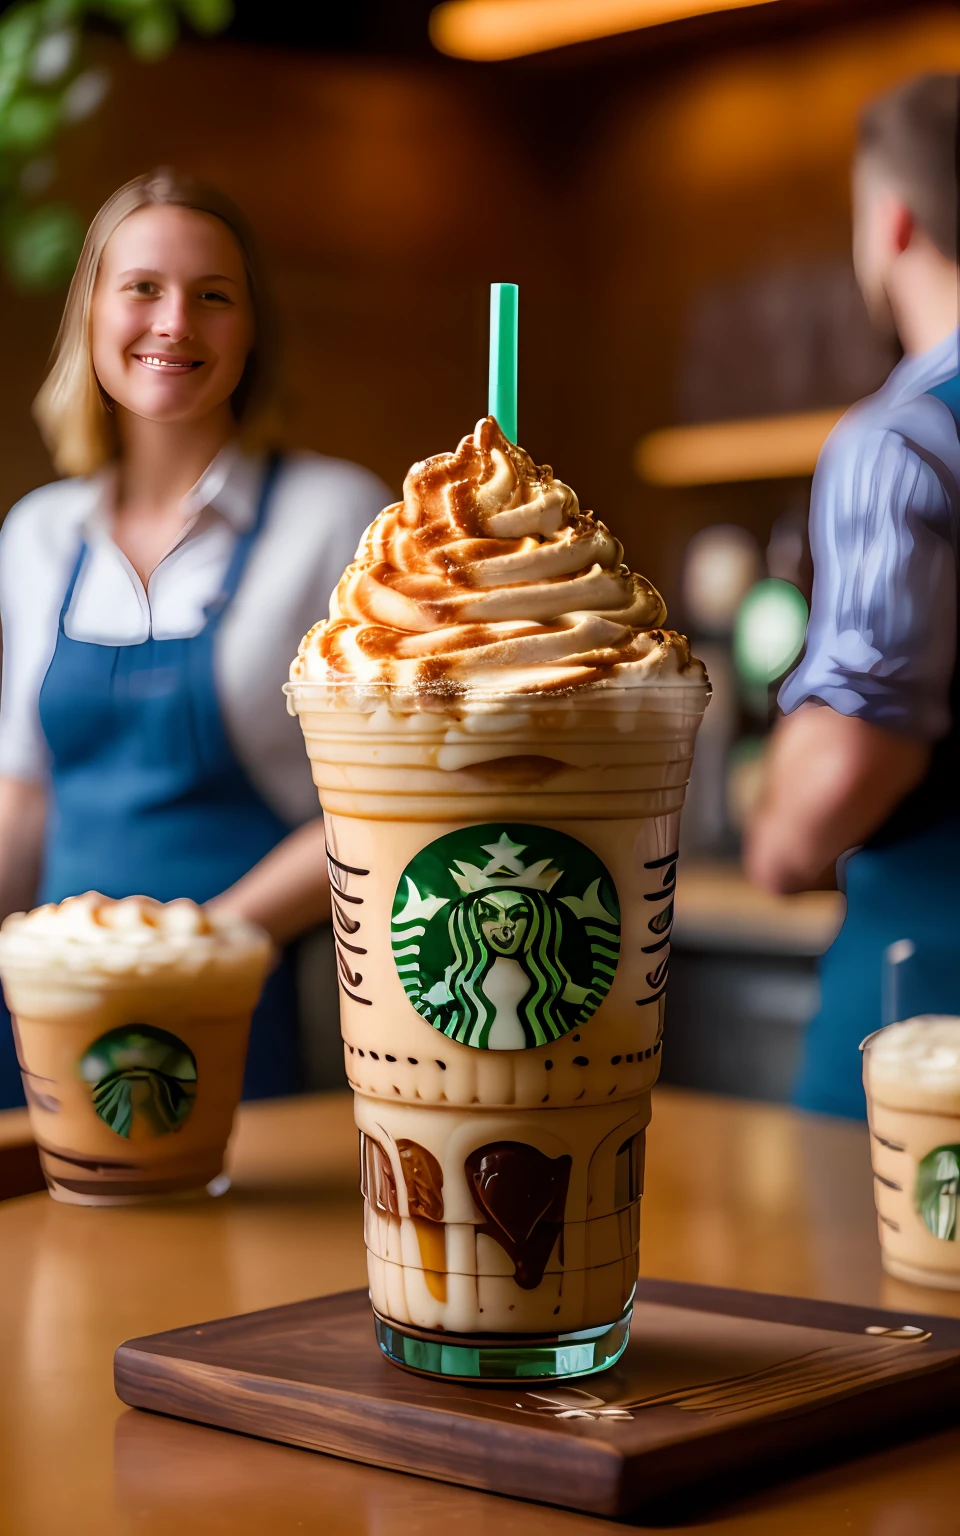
pixel 673 201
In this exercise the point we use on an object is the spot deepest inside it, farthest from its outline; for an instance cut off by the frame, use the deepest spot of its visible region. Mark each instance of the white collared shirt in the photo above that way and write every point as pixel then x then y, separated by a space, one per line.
pixel 319 510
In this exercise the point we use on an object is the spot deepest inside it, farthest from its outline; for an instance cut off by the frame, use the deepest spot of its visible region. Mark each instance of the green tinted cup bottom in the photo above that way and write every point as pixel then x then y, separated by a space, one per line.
pixel 504 1357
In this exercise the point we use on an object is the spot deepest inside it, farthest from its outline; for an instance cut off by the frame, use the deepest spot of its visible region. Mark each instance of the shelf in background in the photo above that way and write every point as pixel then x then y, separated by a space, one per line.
pixel 743 982
pixel 718 908
pixel 715 453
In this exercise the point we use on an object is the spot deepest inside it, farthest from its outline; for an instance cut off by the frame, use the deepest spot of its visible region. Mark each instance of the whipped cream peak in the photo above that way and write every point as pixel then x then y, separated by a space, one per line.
pixel 925 1050
pixel 488 575
pixel 136 934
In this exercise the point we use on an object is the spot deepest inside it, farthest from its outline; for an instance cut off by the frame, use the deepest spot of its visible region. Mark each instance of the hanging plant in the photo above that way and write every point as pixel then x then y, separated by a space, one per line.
pixel 47 85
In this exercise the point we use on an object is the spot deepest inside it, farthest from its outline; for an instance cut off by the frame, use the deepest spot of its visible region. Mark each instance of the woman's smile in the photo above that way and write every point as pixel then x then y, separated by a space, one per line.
pixel 155 361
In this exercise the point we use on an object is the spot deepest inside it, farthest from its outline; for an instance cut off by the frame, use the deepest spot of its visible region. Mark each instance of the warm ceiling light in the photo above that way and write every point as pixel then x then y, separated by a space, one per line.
pixel 506 29
pixel 765 448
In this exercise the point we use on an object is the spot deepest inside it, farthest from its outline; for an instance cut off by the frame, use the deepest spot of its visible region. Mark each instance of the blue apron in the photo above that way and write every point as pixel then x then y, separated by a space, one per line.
pixel 903 884
pixel 148 796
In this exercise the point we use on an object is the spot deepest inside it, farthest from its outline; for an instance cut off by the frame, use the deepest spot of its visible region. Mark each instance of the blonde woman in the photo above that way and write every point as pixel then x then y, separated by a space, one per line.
pixel 151 601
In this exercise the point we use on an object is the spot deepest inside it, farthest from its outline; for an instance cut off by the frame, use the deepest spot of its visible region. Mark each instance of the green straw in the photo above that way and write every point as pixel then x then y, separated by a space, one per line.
pixel 503 357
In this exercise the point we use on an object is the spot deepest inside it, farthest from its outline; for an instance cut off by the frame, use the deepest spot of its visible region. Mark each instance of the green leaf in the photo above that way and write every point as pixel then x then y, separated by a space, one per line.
pixel 42 245
pixel 29 122
pixel 208 15
pixel 18 32
pixel 57 13
pixel 152 34
pixel 123 11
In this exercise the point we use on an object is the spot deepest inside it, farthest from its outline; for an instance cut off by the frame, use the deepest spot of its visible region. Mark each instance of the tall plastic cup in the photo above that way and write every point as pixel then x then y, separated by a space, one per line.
pixel 503 871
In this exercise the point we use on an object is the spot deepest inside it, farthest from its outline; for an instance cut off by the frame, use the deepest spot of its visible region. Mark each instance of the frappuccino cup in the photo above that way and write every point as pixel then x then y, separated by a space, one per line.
pixel 131 1021
pixel 911 1074
pixel 502 769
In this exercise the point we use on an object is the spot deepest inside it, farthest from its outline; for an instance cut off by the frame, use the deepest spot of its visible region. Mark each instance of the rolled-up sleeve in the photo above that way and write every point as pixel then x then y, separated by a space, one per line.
pixel 881 641
pixel 28 625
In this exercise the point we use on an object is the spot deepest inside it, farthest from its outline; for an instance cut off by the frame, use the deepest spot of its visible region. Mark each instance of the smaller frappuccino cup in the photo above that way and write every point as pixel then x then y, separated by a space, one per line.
pixel 911 1074
pixel 131 1021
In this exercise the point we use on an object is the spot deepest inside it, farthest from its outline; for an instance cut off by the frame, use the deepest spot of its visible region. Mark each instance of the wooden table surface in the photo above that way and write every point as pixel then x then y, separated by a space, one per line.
pixel 736 1194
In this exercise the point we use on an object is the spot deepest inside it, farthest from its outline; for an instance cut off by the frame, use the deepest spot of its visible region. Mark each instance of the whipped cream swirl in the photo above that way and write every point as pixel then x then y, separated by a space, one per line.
pixel 924 1050
pixel 487 574
pixel 135 935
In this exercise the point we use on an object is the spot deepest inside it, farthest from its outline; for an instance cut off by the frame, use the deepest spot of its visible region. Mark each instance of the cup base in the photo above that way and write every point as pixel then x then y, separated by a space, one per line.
pixel 210 1191
pixel 504 1357
pixel 914 1274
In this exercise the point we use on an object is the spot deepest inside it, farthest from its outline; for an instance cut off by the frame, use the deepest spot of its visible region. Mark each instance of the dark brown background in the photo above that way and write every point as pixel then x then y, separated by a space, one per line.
pixel 676 215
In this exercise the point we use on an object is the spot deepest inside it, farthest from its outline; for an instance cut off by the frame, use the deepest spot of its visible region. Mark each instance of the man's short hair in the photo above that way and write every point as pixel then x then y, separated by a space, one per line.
pixel 911 133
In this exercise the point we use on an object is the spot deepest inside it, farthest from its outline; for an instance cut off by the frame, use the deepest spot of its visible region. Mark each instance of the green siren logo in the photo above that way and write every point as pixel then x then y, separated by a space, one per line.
pixel 506 936
pixel 937 1192
pixel 143 1080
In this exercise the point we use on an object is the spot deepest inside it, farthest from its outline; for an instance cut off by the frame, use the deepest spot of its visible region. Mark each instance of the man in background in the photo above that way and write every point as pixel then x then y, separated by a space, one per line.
pixel 867 757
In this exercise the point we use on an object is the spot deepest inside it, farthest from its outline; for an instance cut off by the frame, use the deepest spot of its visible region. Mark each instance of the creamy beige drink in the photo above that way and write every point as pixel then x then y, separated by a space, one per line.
pixel 501 737
pixel 131 1021
pixel 911 1073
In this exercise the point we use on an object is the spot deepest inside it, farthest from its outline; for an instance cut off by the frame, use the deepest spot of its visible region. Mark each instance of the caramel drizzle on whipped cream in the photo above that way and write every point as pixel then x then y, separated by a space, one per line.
pixel 488 573
pixel 95 932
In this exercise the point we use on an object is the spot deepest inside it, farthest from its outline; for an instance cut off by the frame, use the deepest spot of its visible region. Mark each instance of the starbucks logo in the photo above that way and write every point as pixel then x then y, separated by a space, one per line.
pixel 937 1192
pixel 506 936
pixel 143 1081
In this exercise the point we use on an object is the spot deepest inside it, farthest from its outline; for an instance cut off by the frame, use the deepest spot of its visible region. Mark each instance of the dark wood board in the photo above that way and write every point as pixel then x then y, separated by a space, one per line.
pixel 712 1381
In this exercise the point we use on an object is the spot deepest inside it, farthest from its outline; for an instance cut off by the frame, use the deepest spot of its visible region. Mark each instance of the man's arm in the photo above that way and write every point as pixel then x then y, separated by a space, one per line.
pixel 832 782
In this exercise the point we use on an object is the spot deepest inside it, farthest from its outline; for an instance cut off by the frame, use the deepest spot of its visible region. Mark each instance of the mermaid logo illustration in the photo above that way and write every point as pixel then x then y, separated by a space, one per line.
pixel 937 1192
pixel 143 1081
pixel 501 951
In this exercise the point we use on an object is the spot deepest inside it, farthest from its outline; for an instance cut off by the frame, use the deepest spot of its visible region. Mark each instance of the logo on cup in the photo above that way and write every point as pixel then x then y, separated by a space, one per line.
pixel 506 936
pixel 143 1081
pixel 937 1192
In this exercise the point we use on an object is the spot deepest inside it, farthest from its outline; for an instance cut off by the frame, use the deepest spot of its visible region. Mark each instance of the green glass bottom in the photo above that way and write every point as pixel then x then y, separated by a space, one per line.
pixel 504 1357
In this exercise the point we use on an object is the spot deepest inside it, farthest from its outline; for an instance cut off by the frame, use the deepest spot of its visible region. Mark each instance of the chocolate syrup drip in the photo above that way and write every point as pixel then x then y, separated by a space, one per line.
pixel 523 1193
pixel 377 1183
pixel 423 1177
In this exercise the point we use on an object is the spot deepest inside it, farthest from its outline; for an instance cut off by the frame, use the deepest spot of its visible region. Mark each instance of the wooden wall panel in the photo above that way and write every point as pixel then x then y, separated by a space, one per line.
pixel 388 195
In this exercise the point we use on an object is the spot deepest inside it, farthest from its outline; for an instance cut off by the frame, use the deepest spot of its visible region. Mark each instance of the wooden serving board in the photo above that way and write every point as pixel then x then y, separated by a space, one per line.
pixel 712 1382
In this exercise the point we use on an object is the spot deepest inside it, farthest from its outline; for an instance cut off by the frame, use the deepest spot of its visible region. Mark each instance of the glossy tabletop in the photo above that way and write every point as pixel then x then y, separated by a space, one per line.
pixel 736 1194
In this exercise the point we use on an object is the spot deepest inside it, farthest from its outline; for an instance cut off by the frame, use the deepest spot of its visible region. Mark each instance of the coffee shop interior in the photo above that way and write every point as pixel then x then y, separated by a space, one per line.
pixel 673 202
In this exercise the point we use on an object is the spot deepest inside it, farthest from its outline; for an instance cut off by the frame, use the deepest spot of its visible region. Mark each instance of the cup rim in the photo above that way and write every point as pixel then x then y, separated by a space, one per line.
pixel 455 693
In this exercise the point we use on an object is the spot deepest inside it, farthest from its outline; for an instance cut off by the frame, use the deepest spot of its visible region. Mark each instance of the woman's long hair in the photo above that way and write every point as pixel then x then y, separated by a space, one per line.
pixel 471 1013
pixel 71 410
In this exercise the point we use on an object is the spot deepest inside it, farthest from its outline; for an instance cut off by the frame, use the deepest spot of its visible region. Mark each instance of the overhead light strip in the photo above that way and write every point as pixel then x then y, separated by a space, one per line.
pixel 488 30
pixel 764 448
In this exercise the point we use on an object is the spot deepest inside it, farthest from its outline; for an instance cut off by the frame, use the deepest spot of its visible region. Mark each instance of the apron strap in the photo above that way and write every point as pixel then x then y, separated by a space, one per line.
pixel 244 545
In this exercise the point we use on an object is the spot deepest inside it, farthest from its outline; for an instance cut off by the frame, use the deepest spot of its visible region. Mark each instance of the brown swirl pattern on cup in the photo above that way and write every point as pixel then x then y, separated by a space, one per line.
pixel 487 573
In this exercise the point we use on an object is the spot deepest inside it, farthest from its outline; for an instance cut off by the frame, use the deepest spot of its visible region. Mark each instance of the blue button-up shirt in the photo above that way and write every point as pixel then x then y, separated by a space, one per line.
pixel 885 510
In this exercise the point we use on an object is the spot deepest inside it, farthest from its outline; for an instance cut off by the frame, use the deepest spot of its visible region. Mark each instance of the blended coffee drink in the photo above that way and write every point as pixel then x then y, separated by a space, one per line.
pixel 501 736
pixel 911 1073
pixel 131 1021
